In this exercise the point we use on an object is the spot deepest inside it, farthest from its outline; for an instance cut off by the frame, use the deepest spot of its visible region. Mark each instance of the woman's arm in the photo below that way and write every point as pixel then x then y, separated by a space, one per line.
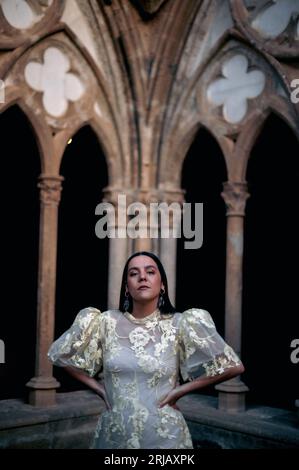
pixel 92 383
pixel 199 383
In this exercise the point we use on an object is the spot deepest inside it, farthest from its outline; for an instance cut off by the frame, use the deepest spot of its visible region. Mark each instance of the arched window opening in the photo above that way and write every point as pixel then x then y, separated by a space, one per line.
pixel 20 164
pixel 271 259
pixel 82 258
pixel 201 272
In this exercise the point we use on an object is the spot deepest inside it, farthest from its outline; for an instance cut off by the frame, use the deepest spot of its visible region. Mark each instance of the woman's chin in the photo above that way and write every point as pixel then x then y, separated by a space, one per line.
pixel 145 295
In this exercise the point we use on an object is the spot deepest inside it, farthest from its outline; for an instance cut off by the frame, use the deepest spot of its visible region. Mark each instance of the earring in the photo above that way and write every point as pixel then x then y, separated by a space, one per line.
pixel 126 302
pixel 161 301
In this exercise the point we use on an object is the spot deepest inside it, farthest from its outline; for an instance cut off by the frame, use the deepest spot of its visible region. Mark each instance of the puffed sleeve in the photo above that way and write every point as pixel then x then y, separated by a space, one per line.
pixel 202 350
pixel 80 346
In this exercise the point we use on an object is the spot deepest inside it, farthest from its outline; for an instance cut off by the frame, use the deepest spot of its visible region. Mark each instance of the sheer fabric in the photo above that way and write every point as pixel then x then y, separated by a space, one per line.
pixel 141 361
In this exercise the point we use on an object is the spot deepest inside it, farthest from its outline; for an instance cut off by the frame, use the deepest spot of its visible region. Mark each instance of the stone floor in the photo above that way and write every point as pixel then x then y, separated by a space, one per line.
pixel 70 424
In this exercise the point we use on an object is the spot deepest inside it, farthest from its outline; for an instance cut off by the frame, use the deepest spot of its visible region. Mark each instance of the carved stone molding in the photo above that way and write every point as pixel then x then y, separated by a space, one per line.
pixel 269 25
pixel 235 196
pixel 111 194
pixel 234 85
pixel 145 197
pixel 50 189
pixel 56 82
pixel 148 6
pixel 21 20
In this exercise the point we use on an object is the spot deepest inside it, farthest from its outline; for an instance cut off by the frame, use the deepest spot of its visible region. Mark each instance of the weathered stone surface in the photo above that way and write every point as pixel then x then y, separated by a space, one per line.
pixel 71 423
pixel 149 6
pixel 68 424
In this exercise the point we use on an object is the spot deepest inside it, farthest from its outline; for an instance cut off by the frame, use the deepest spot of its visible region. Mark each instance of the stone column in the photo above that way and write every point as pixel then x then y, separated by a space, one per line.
pixel 168 246
pixel 144 243
pixel 168 251
pixel 117 259
pixel 43 385
pixel 145 196
pixel 118 245
pixel 297 406
pixel 232 392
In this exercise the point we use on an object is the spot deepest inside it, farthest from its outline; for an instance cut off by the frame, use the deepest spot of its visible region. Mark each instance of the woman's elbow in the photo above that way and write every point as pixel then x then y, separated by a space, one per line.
pixel 234 371
pixel 239 369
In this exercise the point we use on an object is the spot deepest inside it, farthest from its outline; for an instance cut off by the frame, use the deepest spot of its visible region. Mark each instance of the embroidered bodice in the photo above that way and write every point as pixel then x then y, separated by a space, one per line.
pixel 142 360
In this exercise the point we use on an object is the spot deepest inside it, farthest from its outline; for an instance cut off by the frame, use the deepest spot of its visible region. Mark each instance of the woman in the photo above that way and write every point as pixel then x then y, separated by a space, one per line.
pixel 143 348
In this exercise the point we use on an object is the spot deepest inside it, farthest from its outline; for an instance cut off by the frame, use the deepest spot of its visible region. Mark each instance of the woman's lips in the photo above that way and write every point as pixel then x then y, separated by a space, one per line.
pixel 143 288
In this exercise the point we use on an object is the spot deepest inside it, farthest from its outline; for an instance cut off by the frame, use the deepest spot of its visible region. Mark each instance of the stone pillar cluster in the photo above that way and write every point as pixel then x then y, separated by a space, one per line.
pixel 232 392
pixel 120 248
pixel 43 385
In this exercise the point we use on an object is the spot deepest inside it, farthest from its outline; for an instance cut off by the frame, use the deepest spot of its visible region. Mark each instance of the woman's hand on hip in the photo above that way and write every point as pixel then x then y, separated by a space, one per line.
pixel 170 399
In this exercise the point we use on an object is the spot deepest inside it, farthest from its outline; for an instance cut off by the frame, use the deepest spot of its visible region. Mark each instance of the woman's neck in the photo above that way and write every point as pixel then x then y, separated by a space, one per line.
pixel 143 310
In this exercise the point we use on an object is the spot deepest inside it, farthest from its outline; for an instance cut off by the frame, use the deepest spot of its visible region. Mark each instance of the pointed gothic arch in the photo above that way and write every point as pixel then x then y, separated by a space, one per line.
pixel 82 258
pixel 271 255
pixel 20 166
pixel 202 271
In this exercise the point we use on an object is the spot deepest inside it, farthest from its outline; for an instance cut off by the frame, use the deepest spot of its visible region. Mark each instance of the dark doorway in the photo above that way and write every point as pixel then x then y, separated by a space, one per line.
pixel 82 261
pixel 201 272
pixel 271 259
pixel 19 261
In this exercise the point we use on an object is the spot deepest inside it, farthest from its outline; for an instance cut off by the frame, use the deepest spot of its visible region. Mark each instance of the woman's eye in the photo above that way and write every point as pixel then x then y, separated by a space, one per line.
pixel 151 272
pixel 132 274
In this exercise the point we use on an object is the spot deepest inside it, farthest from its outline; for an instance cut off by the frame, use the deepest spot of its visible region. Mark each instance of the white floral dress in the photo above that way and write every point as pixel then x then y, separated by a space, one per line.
pixel 141 361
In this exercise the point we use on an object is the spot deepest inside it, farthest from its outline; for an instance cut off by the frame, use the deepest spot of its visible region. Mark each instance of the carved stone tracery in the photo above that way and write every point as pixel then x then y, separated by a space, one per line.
pixel 269 25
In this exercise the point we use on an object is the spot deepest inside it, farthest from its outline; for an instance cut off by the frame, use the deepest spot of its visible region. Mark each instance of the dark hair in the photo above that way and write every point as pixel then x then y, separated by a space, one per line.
pixel 167 307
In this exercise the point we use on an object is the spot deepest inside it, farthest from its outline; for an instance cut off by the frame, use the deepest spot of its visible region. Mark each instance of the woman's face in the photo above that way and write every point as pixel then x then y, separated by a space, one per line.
pixel 144 279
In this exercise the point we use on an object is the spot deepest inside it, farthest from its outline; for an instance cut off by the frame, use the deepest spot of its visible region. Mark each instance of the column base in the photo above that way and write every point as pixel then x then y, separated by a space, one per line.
pixel 43 391
pixel 232 396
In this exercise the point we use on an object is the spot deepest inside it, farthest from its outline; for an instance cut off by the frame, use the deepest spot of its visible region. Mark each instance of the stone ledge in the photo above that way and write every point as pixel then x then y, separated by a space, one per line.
pixel 264 425
pixel 15 413
pixel 71 422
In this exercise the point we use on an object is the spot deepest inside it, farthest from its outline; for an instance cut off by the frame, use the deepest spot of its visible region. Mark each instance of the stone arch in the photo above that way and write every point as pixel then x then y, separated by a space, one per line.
pixel 40 128
pixel 227 134
pixel 177 152
pixel 115 155
pixel 204 186
pixel 20 167
pixel 63 137
pixel 250 133
pixel 104 125
pixel 82 258
pixel 54 135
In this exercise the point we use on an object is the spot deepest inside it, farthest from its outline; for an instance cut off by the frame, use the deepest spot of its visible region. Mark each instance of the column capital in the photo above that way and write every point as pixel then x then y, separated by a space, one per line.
pixel 235 195
pixel 111 194
pixel 172 195
pixel 145 196
pixel 50 189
